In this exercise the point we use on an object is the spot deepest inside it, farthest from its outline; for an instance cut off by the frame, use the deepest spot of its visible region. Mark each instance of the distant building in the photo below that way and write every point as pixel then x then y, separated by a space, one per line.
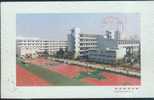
pixel 117 35
pixel 34 48
pixel 101 48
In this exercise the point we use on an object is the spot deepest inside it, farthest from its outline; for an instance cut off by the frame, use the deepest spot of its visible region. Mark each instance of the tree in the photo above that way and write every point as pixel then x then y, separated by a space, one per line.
pixel 128 56
pixel 132 57
pixel 64 54
pixel 119 62
pixel 60 53
pixel 68 54
pixel 46 54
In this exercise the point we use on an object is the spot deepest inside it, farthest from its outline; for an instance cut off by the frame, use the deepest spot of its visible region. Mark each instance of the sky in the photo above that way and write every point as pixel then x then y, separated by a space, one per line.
pixel 56 26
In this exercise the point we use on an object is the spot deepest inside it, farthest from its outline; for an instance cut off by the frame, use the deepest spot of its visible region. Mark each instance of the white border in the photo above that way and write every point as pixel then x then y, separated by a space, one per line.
pixel 8 49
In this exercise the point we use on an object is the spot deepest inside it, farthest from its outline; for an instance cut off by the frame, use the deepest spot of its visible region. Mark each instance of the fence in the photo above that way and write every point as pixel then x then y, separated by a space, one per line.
pixel 122 71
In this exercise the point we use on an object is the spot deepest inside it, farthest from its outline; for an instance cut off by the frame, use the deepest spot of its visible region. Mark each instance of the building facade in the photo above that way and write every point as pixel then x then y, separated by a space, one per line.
pixel 105 48
pixel 80 42
pixel 37 47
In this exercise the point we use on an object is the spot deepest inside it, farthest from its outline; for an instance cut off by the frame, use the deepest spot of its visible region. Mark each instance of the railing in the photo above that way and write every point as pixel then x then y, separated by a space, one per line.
pixel 122 71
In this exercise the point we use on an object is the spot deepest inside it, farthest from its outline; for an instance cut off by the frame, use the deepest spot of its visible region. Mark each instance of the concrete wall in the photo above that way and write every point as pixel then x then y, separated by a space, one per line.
pixel 120 53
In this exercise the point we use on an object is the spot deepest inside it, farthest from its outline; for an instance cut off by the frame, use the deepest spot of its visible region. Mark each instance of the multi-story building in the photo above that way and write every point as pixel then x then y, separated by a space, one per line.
pixel 106 48
pixel 37 47
pixel 102 56
pixel 80 42
pixel 103 48
pixel 113 52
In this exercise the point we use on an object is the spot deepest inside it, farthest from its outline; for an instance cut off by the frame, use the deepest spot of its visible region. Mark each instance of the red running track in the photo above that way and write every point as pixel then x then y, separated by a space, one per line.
pixel 70 71
pixel 39 61
pixel 25 78
pixel 111 79
pixel 66 70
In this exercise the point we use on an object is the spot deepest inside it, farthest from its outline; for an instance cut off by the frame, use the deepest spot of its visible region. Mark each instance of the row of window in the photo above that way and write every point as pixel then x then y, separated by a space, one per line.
pixel 88 35
pixel 134 47
pixel 128 42
pixel 102 56
pixel 103 60
pixel 43 44
pixel 41 47
pixel 100 52
pixel 84 44
pixel 86 48
pixel 87 40
pixel 41 41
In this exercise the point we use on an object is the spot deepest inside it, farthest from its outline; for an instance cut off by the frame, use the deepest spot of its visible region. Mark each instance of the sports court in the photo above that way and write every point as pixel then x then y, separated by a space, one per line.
pixel 48 72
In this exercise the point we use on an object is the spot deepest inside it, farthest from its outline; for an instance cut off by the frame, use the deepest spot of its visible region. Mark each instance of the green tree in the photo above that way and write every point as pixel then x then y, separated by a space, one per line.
pixel 60 53
pixel 64 54
pixel 68 54
pixel 46 54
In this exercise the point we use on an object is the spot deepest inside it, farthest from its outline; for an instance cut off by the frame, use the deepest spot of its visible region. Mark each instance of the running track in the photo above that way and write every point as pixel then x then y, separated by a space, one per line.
pixel 112 79
pixel 25 78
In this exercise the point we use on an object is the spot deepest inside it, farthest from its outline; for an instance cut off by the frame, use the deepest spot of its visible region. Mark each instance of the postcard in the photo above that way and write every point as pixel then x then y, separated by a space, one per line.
pixel 77 49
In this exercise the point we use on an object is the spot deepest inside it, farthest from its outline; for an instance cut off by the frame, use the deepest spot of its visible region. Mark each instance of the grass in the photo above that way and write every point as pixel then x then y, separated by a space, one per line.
pixel 95 74
pixel 50 76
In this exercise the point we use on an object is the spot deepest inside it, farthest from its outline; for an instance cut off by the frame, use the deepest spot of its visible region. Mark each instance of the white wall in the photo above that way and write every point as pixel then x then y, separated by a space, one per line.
pixel 120 53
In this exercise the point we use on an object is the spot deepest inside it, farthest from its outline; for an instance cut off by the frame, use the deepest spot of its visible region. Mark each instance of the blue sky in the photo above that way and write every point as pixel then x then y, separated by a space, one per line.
pixel 56 26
